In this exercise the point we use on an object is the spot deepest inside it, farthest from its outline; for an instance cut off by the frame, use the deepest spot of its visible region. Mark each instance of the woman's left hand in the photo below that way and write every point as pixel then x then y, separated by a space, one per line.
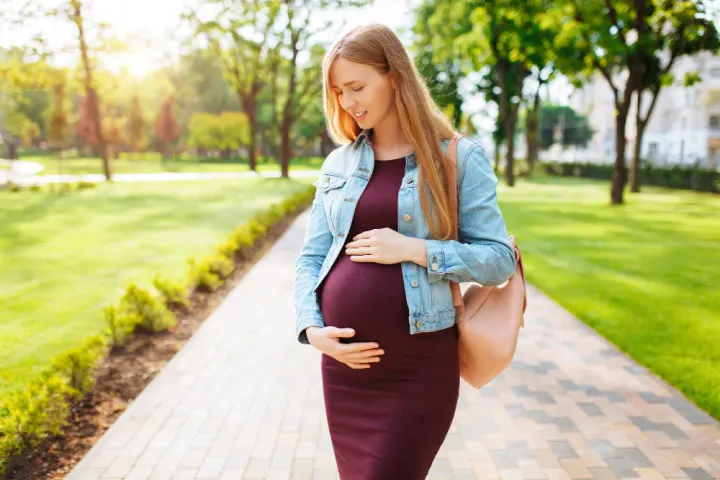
pixel 383 245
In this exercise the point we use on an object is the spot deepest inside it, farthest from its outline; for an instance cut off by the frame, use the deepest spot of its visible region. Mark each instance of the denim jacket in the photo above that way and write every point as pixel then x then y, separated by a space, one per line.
pixel 482 254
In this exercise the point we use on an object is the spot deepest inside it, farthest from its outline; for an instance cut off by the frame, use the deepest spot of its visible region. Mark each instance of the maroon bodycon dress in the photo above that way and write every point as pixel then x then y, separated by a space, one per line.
pixel 386 422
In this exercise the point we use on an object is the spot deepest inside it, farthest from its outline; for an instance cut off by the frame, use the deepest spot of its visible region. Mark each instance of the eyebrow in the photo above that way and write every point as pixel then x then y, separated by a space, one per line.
pixel 346 83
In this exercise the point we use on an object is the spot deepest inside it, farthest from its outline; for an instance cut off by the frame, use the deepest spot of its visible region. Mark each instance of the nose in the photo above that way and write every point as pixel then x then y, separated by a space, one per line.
pixel 348 103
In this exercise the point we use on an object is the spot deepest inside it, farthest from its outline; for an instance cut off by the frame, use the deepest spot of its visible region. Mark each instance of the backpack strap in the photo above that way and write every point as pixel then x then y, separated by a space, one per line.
pixel 451 159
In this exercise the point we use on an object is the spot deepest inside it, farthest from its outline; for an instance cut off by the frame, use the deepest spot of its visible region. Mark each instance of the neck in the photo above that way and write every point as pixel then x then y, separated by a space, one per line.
pixel 388 132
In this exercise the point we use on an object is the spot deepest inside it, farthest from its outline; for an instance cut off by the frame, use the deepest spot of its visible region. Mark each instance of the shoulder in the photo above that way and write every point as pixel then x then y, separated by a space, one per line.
pixel 339 160
pixel 473 160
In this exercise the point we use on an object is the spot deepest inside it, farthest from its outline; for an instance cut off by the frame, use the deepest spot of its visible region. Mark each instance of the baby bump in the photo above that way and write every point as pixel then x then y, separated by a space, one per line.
pixel 368 297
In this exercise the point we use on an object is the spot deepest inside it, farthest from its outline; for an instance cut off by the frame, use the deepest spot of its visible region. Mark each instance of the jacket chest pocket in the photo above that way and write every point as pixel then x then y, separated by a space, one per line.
pixel 332 187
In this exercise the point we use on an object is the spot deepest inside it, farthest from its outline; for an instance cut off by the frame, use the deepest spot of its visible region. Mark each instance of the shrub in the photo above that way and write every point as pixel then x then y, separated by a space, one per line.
pixel 227 248
pixel 220 266
pixel 175 294
pixel 83 185
pixel 29 415
pixel 120 324
pixel 201 277
pixel 154 315
pixel 678 176
pixel 257 229
pixel 244 238
pixel 77 365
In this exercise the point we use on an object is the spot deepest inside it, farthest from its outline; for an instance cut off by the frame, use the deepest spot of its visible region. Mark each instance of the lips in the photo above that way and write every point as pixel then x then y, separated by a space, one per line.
pixel 361 116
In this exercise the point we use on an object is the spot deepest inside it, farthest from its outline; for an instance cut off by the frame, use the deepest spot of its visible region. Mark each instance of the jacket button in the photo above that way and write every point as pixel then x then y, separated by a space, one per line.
pixel 406 217
pixel 435 266
pixel 418 324
pixel 414 283
pixel 341 234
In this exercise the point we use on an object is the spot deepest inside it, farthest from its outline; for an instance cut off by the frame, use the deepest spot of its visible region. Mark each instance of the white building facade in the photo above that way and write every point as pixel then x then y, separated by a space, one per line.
pixel 684 127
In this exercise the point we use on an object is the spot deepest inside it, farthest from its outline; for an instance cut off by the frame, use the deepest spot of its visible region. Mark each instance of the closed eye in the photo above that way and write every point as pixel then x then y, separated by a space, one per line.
pixel 358 89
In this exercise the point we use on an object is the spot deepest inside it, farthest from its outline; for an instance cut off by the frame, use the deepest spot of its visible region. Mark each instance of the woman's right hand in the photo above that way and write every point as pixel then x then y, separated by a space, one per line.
pixel 355 355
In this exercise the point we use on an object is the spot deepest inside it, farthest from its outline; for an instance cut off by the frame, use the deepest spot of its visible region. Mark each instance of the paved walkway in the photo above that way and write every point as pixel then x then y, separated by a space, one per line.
pixel 243 400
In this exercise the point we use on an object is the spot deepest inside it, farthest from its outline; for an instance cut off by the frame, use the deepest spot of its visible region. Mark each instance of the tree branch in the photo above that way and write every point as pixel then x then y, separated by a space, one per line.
pixel 614 20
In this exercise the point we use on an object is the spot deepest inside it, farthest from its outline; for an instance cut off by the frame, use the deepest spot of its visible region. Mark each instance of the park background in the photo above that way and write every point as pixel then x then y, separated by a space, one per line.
pixel 601 117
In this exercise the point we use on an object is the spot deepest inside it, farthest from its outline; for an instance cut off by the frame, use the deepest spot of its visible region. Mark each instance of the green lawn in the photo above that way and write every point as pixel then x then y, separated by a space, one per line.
pixel 645 275
pixel 80 166
pixel 63 258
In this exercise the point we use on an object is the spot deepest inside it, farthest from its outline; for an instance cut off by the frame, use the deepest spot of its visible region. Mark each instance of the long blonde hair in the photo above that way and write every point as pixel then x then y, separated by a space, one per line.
pixel 421 120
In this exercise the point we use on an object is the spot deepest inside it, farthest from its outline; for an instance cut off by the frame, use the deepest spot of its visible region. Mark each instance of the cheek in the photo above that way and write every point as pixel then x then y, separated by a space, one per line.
pixel 381 98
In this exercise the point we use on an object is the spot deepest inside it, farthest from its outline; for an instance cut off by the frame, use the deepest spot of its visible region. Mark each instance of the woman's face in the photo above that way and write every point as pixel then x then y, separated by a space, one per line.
pixel 366 94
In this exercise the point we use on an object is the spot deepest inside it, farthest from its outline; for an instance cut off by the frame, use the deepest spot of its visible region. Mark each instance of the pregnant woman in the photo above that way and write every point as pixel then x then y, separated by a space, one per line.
pixel 372 288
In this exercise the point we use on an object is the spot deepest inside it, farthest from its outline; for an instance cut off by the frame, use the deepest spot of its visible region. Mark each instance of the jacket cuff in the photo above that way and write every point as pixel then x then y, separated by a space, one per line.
pixel 305 322
pixel 435 260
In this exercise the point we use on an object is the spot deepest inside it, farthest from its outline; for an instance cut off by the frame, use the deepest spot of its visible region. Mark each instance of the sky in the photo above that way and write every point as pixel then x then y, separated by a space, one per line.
pixel 154 29
pixel 156 33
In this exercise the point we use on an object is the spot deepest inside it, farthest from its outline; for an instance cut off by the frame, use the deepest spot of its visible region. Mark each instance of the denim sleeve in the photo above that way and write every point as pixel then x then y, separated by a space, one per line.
pixel 483 253
pixel 318 240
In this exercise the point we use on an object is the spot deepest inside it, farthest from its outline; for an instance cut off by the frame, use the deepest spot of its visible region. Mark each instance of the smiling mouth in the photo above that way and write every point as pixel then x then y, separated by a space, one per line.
pixel 359 115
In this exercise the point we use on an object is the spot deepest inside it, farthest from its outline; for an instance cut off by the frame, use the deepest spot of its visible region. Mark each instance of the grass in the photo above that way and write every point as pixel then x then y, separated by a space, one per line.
pixel 145 163
pixel 65 257
pixel 644 275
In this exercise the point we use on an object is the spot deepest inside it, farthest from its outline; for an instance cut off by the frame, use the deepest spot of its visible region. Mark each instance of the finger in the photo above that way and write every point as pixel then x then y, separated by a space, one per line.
pixel 366 234
pixel 358 366
pixel 363 258
pixel 365 354
pixel 362 361
pixel 360 251
pixel 363 242
pixel 335 332
pixel 350 348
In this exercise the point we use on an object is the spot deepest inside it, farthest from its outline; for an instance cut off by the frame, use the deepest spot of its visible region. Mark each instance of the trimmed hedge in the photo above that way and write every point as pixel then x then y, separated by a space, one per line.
pixel 42 407
pixel 681 177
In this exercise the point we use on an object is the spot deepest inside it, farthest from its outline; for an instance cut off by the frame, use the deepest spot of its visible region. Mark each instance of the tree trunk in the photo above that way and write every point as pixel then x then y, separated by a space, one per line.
pixel 510 156
pixel 619 171
pixel 94 101
pixel 532 125
pixel 498 144
pixel 635 166
pixel 248 102
pixel 325 144
pixel 510 123
pixel 12 149
pixel 288 114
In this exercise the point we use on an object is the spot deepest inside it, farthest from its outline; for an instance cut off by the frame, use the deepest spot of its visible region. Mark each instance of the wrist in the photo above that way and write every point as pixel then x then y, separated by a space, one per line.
pixel 416 251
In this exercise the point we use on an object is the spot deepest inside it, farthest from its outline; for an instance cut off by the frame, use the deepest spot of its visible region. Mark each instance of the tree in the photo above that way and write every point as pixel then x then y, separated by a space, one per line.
pixel 440 72
pixel 623 40
pixel 93 101
pixel 224 133
pixel 166 127
pixel 57 116
pixel 574 129
pixel 245 26
pixel 674 29
pixel 85 127
pixel 136 135
pixel 23 81
pixel 504 40
pixel 114 131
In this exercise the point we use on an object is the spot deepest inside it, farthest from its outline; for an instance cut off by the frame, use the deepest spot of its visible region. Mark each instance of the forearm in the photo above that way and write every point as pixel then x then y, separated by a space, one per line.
pixel 488 263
